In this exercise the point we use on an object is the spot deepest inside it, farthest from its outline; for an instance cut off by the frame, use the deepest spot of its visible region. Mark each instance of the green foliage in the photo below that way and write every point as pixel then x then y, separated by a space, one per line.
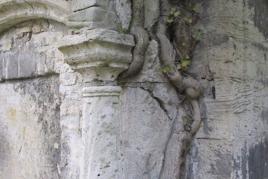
pixel 187 122
pixel 166 69
pixel 188 20
pixel 198 34
pixel 120 29
pixel 173 15
pixel 184 64
pixel 184 16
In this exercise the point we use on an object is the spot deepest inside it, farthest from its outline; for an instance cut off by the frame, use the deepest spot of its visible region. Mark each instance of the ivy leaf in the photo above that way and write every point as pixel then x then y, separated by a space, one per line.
pixel 198 35
pixel 195 8
pixel 173 10
pixel 177 13
pixel 188 20
pixel 166 69
pixel 185 63
pixel 169 20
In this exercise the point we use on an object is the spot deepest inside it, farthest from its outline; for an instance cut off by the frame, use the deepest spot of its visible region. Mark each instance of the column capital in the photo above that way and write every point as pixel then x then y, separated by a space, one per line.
pixel 99 54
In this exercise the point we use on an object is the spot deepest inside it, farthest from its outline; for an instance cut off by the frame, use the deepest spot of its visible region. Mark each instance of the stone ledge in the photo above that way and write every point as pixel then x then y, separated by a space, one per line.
pixel 105 53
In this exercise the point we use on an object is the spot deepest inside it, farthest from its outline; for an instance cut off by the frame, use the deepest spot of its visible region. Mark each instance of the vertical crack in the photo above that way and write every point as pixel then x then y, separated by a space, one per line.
pixel 161 104
pixel 166 147
pixel 159 101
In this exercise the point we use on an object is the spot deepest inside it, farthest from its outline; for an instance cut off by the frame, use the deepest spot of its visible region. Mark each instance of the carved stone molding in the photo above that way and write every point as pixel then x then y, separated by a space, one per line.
pixel 74 14
pixel 13 12
pixel 99 55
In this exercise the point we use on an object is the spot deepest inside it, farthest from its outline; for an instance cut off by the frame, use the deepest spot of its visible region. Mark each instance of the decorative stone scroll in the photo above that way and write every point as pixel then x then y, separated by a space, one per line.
pixel 99 55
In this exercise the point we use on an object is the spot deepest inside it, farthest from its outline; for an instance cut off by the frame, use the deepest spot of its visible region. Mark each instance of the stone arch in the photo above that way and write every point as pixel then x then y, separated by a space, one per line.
pixel 25 80
pixel 16 11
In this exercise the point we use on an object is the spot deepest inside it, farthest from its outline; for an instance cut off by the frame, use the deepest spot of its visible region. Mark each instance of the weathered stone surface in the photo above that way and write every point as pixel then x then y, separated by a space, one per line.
pixel 1 69
pixel 234 49
pixel 82 124
pixel 30 131
pixel 11 66
pixel 97 16
pixel 84 4
pixel 32 50
pixel 14 12
pixel 100 54
pixel 124 11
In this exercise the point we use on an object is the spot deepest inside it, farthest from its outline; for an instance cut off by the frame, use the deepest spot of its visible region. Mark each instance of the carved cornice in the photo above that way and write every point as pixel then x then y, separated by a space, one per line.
pixel 101 52
pixel 15 11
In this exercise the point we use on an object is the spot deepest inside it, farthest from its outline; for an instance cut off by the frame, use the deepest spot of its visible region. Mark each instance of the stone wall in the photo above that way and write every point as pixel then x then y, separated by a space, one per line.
pixel 66 111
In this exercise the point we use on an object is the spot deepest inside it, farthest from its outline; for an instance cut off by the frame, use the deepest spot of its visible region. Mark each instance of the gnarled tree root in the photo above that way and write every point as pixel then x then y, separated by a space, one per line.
pixel 142 41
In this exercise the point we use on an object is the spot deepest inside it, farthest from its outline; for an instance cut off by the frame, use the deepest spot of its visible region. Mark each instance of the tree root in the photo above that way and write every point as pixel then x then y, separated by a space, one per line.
pixel 188 86
pixel 142 41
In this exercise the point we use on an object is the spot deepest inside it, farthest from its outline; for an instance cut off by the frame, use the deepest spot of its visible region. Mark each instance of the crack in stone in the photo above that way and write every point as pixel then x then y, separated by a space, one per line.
pixel 87 7
pixel 15 80
pixel 166 147
pixel 161 105
pixel 158 100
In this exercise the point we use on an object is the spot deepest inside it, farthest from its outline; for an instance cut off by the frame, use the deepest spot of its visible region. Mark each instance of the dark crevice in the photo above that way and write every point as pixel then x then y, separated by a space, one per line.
pixel 158 100
pixel 87 7
pixel 28 78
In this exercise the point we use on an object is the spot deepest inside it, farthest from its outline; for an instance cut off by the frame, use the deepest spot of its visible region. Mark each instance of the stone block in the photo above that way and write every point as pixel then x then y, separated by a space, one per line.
pixel 124 12
pixel 1 69
pixel 26 65
pixel 95 15
pixel 11 65
pixel 91 14
pixel 83 4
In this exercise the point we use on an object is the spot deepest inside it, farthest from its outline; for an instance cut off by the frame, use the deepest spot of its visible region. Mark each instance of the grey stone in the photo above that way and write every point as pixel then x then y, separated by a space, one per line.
pixel 84 4
pixel 27 64
pixel 151 13
pixel 70 120
pixel 97 15
pixel 11 65
pixel 124 11
pixel 1 69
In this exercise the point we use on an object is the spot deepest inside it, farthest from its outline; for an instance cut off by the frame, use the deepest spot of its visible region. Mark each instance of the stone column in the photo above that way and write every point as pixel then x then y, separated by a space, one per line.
pixel 99 55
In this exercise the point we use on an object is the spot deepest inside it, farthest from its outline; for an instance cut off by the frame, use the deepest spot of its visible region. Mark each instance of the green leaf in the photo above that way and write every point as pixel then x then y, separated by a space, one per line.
pixel 177 13
pixel 185 63
pixel 198 35
pixel 166 69
pixel 195 8
pixel 173 10
pixel 189 20
pixel 169 20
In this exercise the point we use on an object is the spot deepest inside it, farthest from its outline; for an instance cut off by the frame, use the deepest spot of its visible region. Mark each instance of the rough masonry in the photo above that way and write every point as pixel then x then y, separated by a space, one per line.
pixel 83 94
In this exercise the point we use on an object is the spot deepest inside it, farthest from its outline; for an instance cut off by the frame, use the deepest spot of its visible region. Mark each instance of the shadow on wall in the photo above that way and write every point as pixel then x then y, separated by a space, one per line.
pixel 258 161
pixel 261 14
